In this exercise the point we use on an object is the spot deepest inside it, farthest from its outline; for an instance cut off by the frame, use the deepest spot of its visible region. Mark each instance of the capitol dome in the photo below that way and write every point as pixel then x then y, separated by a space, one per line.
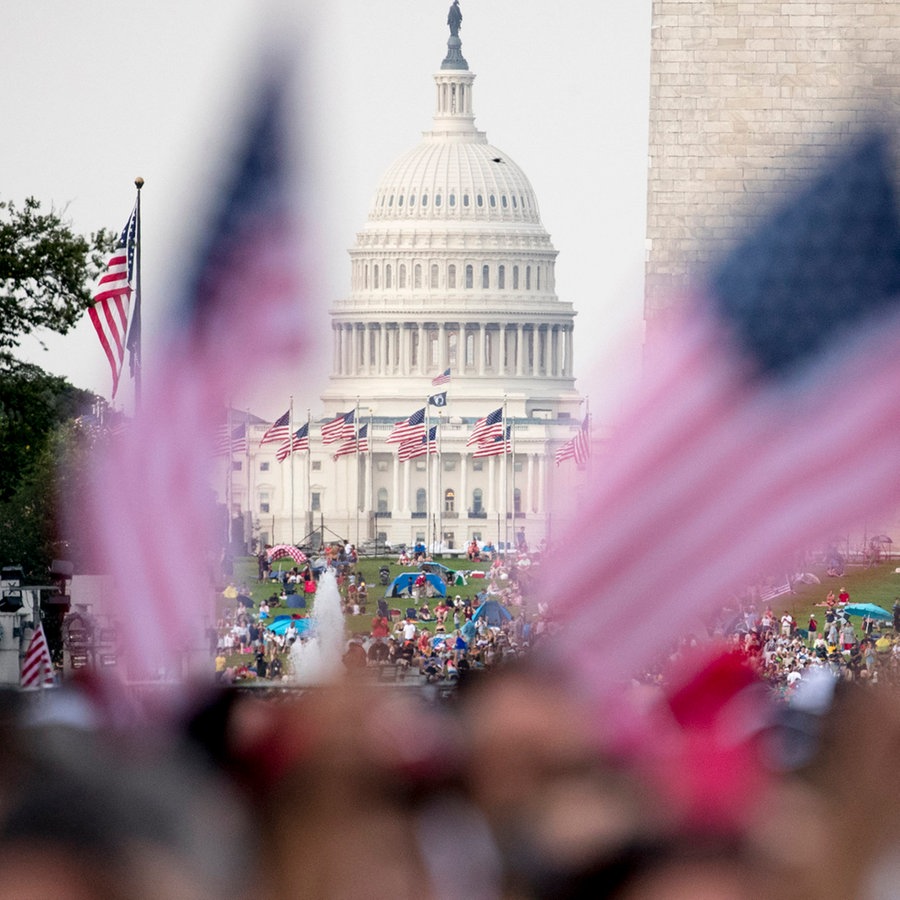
pixel 465 180
pixel 452 355
pixel 454 270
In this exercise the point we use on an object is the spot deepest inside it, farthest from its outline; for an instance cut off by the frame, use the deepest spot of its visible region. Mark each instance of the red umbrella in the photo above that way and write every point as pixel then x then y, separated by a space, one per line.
pixel 279 551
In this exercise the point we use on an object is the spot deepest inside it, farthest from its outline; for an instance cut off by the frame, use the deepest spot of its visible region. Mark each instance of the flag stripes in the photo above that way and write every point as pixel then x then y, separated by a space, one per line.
pixel 409 429
pixel 419 447
pixel 577 447
pixel 341 428
pixel 487 427
pixel 278 431
pixel 112 299
pixel 299 441
pixel 358 444
pixel 37 666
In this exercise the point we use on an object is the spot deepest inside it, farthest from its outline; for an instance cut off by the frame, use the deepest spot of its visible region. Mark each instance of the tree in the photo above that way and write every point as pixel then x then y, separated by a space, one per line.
pixel 41 450
pixel 46 272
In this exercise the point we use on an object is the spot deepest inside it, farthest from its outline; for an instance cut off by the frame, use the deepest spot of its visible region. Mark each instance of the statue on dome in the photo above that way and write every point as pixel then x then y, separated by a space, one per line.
pixel 454 19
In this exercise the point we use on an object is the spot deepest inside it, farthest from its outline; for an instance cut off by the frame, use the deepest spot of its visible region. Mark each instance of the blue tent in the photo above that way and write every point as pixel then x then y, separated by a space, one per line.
pixel 404 583
pixel 493 612
pixel 280 625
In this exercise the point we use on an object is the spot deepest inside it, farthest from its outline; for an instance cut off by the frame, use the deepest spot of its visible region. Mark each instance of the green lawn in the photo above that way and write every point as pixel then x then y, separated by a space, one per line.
pixel 879 584
pixel 245 575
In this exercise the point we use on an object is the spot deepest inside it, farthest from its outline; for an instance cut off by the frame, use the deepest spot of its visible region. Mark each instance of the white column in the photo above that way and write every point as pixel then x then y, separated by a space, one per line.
pixel 479 349
pixel 529 504
pixel 407 507
pixel 463 504
pixel 520 350
pixel 541 484
pixel 423 334
pixel 394 501
pixel 491 500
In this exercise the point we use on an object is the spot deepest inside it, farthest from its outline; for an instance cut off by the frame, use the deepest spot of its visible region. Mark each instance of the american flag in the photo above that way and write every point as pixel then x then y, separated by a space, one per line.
pixel 494 446
pixel 577 447
pixel 767 420
pixel 299 441
pixel 420 447
pixel 359 443
pixel 487 427
pixel 278 431
pixel 37 667
pixel 241 300
pixel 112 299
pixel 340 428
pixel 409 429
pixel 231 440
pixel 443 378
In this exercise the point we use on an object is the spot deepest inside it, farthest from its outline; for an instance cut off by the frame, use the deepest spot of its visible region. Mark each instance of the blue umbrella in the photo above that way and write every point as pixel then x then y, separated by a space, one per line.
pixel 280 625
pixel 871 610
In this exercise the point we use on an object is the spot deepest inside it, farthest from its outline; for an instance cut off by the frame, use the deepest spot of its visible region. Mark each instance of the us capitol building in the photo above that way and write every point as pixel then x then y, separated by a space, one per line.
pixel 453 270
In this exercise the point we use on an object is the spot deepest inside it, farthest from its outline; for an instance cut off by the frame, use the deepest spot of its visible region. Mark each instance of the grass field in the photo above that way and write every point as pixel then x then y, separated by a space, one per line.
pixel 879 584
pixel 246 580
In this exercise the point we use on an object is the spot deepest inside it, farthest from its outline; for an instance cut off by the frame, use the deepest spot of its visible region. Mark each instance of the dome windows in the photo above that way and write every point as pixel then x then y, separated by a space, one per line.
pixel 479 201
pixel 400 200
pixel 452 200
pixel 465 199
pixel 493 201
pixel 437 199
pixel 503 200
pixel 412 199
pixel 424 199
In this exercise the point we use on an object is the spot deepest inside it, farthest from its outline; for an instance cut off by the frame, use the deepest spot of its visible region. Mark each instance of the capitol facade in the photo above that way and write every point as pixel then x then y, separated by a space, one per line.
pixel 451 318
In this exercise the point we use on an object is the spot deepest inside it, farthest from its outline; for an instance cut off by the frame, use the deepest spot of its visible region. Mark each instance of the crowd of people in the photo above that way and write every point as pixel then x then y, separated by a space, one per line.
pixel 715 775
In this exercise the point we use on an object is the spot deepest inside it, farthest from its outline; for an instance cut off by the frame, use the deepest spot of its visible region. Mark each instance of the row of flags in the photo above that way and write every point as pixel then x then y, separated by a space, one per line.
pixel 490 436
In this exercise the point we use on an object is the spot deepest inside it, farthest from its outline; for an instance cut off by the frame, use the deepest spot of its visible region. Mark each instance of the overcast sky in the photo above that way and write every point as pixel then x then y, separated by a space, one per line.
pixel 99 92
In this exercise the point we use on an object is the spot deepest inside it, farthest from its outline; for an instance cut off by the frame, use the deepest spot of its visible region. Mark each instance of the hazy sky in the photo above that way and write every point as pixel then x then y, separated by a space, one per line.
pixel 99 92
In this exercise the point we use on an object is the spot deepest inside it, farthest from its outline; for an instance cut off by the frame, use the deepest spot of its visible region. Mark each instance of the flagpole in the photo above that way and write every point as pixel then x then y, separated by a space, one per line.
pixel 587 435
pixel 505 480
pixel 291 451
pixel 229 487
pixel 512 462
pixel 309 515
pixel 358 486
pixel 429 533
pixel 248 537
pixel 135 345
pixel 440 478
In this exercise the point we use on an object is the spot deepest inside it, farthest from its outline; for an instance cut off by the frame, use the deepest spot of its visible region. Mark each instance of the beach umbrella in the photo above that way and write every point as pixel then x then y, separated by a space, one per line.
pixel 872 610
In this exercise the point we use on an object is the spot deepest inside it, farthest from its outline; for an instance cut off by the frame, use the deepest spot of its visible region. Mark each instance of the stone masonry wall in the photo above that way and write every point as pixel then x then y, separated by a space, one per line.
pixel 742 95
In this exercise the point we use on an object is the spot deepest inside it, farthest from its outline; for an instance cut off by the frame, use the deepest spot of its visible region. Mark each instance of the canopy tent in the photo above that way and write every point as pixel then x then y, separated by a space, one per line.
pixel 403 584
pixel 279 551
pixel 493 612
pixel 872 610
pixel 280 624
pixel 438 569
